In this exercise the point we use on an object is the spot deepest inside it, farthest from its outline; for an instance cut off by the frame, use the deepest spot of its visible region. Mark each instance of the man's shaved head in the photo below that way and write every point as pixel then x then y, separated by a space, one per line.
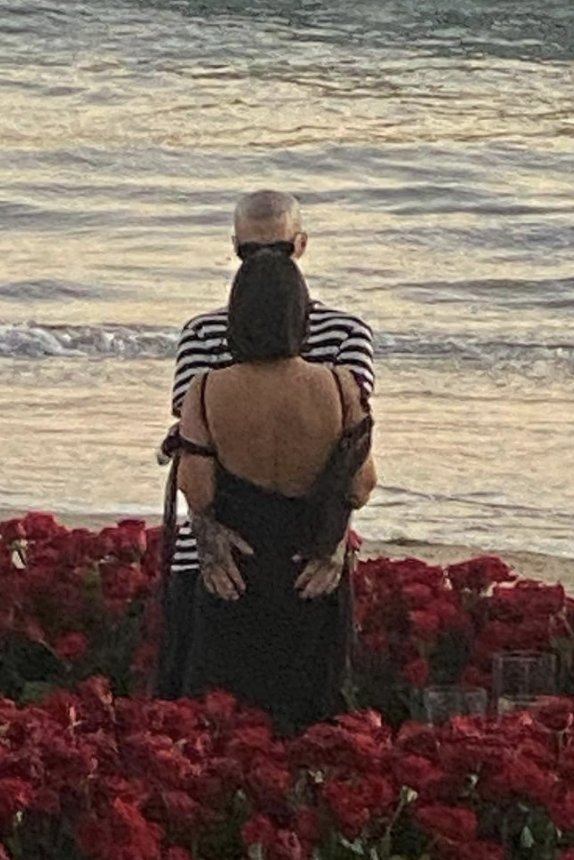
pixel 269 216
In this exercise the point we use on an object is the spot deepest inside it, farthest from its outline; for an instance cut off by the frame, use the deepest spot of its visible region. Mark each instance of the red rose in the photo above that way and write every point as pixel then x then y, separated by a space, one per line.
pixel 536 752
pixel 451 615
pixel 307 825
pixel 520 777
pixel 40 526
pixel 418 773
pixel 268 781
pixel 379 794
pixel 555 713
pixel 122 834
pixel 566 764
pixel 175 853
pixel 258 830
pixel 347 807
pixel 478 574
pixel 96 691
pixel 409 570
pixel 121 582
pixel 246 742
pixel 180 808
pixel 417 672
pixel 15 796
pixel 565 855
pixel 220 706
pixel 530 780
pixel 417 595
pixel 353 802
pixel 221 778
pixel 71 646
pixel 7 568
pixel 12 531
pixel 448 821
pixel 425 623
pixel 134 534
pixel 418 739
pixel 79 547
pixel 285 846
pixel 369 721
pixel 3 853
pixel 531 598
pixel 562 810
pixel 45 800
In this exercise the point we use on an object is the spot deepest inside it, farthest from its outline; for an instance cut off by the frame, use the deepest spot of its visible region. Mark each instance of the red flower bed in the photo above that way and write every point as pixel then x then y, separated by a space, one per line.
pixel 91 769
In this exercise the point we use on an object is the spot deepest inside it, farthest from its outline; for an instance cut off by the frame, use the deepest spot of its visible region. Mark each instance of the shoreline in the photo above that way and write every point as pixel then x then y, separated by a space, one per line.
pixel 531 565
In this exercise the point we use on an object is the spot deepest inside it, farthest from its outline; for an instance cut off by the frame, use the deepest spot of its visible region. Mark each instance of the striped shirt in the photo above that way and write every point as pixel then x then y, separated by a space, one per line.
pixel 335 338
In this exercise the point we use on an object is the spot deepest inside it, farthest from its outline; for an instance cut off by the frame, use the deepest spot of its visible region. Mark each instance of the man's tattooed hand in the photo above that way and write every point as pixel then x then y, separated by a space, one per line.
pixel 214 544
pixel 322 576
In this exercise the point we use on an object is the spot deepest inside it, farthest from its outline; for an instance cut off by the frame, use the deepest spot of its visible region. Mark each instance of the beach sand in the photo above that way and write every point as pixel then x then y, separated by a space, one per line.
pixel 528 564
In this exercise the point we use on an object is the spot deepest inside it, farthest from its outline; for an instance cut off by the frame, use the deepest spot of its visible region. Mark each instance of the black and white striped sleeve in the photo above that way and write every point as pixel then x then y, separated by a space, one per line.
pixel 356 352
pixel 193 358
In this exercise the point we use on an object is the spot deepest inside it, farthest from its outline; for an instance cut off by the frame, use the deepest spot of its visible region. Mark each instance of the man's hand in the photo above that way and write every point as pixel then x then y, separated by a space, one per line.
pixel 218 569
pixel 169 445
pixel 321 576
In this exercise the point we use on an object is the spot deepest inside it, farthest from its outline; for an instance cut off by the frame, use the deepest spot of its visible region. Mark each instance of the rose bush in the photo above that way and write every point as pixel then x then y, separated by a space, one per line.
pixel 92 769
pixel 76 603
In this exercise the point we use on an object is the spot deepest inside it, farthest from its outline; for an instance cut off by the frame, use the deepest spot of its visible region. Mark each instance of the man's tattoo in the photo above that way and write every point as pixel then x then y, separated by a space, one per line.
pixel 212 542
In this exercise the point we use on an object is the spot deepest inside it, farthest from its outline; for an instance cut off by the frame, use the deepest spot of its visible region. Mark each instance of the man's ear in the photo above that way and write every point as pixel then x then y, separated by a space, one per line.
pixel 301 240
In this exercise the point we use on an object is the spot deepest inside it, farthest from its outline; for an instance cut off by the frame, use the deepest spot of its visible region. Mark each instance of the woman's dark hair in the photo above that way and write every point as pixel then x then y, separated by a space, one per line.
pixel 269 306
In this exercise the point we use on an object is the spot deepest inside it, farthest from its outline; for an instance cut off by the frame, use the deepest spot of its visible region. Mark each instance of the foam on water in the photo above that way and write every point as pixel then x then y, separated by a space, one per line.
pixel 33 340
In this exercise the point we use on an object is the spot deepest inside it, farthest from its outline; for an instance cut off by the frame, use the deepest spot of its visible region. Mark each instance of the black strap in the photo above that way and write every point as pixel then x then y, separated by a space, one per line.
pixel 203 406
pixel 194 448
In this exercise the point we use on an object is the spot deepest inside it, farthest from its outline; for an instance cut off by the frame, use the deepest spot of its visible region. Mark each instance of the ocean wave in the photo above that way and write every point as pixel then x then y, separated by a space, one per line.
pixel 473 350
pixel 31 340
pixel 48 290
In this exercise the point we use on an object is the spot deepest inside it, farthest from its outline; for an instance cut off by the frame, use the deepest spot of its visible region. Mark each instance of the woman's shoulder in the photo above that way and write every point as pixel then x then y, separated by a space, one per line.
pixel 355 400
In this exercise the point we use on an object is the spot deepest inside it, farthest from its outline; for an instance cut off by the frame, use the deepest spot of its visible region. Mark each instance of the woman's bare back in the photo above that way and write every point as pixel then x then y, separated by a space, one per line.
pixel 275 424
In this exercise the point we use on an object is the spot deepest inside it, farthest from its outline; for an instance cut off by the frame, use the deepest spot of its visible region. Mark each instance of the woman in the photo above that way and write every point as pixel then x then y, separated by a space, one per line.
pixel 278 450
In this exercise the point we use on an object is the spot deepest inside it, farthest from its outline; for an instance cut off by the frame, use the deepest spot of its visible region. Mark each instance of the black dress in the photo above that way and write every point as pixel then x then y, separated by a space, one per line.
pixel 271 648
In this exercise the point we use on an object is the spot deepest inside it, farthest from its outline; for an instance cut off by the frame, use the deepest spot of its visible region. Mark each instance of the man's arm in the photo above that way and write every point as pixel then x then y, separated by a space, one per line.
pixel 193 359
pixel 356 353
pixel 214 542
pixel 322 576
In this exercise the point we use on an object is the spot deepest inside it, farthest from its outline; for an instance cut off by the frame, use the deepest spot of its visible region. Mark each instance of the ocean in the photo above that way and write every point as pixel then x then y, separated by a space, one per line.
pixel 431 143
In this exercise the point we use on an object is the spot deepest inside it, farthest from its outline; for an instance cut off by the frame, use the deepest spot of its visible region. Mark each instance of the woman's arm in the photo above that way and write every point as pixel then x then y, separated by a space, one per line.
pixel 364 483
pixel 365 480
pixel 196 480
pixel 196 474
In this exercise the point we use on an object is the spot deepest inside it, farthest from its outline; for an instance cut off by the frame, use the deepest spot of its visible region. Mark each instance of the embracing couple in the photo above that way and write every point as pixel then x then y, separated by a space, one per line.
pixel 273 454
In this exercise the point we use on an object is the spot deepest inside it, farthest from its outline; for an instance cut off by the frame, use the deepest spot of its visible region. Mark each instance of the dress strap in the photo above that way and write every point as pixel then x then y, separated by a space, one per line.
pixel 203 406
pixel 195 448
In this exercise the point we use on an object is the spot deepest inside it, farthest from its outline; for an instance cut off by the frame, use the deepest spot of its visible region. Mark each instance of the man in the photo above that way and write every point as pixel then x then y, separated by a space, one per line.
pixel 335 338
